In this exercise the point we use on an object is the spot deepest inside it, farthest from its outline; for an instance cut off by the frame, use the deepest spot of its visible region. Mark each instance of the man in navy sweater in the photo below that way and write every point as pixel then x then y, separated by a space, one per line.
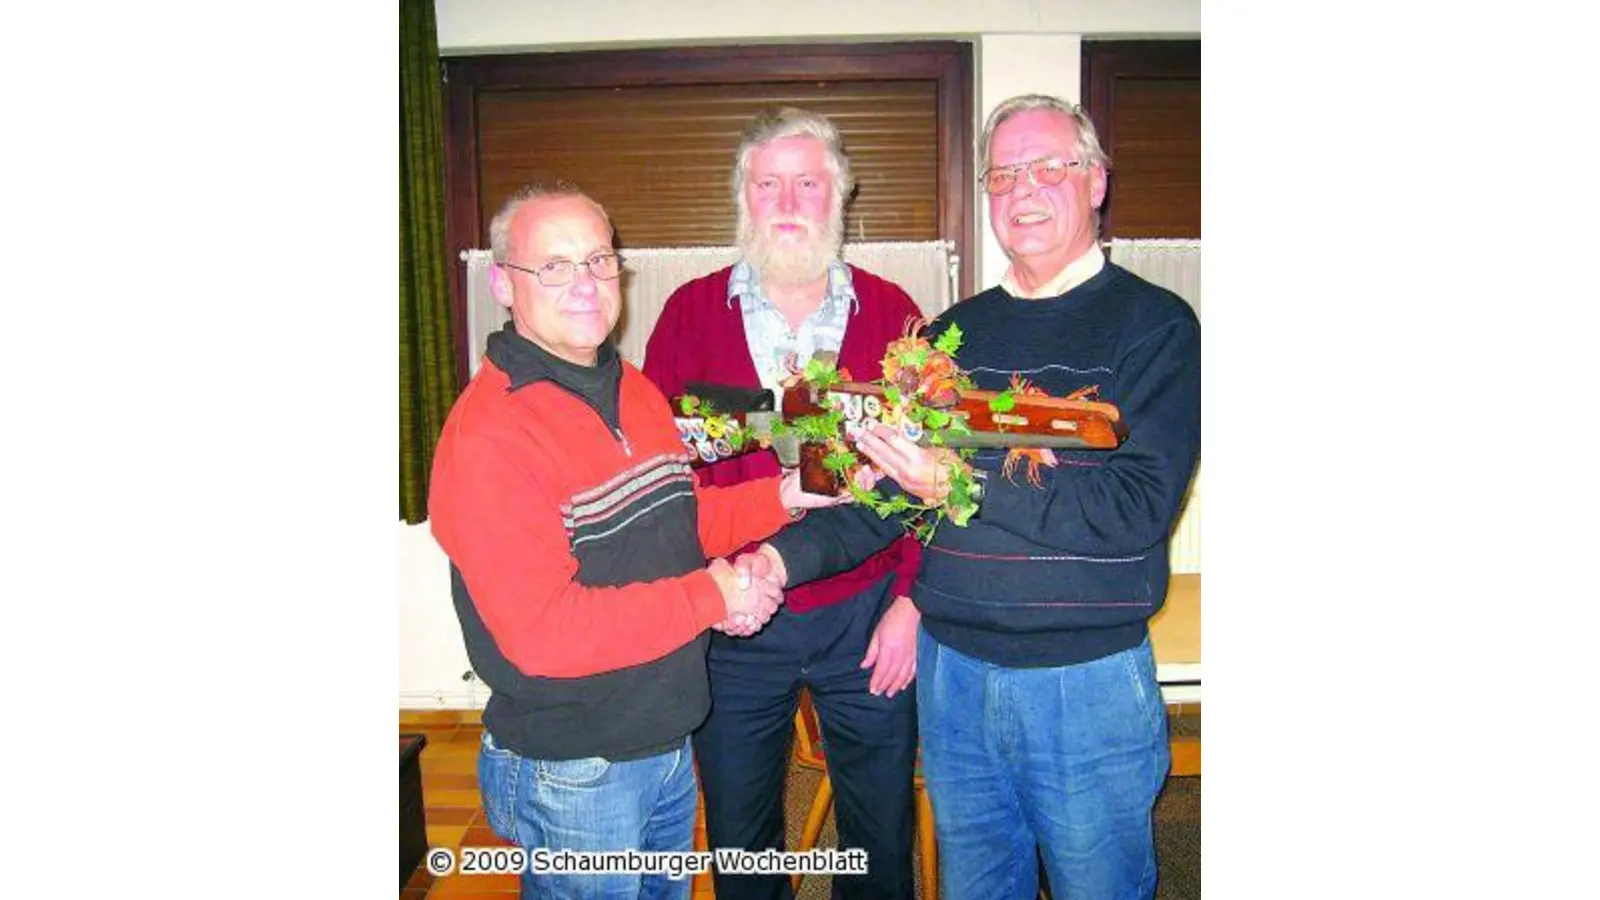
pixel 1042 724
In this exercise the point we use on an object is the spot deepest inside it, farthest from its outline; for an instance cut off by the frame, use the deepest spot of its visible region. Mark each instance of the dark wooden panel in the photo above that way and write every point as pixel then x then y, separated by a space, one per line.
pixel 1144 98
pixel 659 158
pixel 1156 159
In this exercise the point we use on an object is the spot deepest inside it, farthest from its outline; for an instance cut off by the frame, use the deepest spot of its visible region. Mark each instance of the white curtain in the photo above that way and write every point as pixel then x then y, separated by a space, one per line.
pixel 484 314
pixel 927 270
pixel 1173 264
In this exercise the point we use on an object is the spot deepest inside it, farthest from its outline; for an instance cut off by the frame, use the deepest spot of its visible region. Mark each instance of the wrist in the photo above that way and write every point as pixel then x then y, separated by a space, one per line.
pixel 726 581
pixel 779 571
pixel 944 475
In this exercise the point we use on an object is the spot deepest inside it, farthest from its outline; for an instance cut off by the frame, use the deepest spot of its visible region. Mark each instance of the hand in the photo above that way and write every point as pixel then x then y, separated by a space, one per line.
pixel 741 625
pixel 867 477
pixel 764 563
pixel 921 471
pixel 764 566
pixel 892 652
pixel 751 601
pixel 795 498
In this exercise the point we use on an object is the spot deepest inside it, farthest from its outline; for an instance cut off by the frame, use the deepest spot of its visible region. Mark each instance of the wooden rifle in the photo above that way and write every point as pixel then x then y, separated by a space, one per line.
pixel 1032 421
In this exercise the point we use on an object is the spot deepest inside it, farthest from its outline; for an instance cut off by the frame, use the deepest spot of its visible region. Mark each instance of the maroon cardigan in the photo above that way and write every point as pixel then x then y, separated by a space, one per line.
pixel 700 337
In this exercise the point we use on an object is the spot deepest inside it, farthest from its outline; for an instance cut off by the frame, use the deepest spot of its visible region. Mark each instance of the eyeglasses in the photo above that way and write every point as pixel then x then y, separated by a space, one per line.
pixel 1002 180
pixel 557 272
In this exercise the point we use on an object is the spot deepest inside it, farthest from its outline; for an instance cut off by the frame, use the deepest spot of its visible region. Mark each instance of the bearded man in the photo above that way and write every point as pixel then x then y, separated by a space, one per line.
pixel 851 639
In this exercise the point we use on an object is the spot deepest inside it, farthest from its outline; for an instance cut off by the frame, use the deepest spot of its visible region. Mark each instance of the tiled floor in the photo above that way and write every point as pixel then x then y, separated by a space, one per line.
pixel 450 798
pixel 455 815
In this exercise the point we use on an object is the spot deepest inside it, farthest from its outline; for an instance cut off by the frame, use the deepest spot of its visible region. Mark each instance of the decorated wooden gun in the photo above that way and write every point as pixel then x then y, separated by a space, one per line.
pixel 973 418
pixel 1029 420
pixel 742 422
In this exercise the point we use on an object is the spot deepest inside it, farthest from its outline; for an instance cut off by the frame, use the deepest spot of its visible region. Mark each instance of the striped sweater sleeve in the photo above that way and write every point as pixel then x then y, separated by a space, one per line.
pixel 508 540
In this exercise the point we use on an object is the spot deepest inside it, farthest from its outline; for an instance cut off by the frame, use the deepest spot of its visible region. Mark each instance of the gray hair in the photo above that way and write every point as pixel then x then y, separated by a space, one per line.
pixel 500 225
pixel 1088 145
pixel 788 121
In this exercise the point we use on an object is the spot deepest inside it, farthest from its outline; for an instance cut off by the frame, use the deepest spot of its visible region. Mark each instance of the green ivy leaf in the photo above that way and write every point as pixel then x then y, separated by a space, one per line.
pixel 891 394
pixel 838 461
pixel 688 403
pixel 821 374
pixel 949 342
pixel 960 493
pixel 818 428
pixel 1003 402
pixel 936 418
pixel 962 514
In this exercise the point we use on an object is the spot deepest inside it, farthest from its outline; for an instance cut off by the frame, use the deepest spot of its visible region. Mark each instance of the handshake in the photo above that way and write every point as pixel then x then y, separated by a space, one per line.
pixel 752 590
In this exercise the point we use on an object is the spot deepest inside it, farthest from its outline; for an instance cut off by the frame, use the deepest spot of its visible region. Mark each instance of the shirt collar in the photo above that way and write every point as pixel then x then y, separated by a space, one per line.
pixel 1073 274
pixel 745 285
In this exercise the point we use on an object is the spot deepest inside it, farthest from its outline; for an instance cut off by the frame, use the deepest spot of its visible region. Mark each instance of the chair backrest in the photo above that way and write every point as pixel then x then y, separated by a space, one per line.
pixel 807 734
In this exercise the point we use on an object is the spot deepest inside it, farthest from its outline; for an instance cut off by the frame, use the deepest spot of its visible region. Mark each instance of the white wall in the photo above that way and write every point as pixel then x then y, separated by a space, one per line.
pixel 1008 65
pixel 501 26
pixel 1020 46
pixel 432 654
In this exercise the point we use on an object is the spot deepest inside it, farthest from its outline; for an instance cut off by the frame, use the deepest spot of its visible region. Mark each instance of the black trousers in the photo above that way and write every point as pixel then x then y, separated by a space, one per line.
pixel 870 744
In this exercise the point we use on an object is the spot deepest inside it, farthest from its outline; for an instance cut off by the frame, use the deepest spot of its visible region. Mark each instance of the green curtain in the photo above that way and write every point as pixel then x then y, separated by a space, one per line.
pixel 427 346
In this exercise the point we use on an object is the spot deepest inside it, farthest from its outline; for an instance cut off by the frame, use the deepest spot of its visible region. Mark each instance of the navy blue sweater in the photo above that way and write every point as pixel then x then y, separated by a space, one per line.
pixel 1070 571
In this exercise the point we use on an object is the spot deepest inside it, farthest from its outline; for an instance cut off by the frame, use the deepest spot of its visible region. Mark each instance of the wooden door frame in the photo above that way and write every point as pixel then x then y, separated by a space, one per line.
pixel 948 63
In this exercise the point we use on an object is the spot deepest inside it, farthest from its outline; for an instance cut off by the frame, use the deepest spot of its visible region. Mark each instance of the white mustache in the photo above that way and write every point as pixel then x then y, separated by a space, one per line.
pixel 810 225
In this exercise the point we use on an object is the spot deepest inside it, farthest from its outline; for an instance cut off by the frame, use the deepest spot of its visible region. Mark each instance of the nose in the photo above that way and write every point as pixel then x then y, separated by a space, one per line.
pixel 786 204
pixel 583 281
pixel 1025 185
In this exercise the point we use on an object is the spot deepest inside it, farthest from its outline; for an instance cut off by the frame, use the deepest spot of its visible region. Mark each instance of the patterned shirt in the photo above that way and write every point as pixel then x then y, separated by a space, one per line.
pixel 775 348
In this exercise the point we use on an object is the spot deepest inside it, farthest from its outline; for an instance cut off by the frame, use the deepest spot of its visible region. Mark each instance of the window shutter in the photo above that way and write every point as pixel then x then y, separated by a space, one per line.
pixel 1144 97
pixel 660 158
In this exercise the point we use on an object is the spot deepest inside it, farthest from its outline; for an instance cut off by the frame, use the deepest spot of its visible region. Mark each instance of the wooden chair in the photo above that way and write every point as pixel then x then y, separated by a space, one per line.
pixel 808 752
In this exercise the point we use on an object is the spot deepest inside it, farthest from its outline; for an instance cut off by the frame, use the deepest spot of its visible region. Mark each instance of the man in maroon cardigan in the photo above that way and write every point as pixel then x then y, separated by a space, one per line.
pixel 850 638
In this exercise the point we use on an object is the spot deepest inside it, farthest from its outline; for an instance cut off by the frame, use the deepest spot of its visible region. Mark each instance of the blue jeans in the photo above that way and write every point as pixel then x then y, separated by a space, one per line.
pixel 1067 760
pixel 591 805
pixel 871 745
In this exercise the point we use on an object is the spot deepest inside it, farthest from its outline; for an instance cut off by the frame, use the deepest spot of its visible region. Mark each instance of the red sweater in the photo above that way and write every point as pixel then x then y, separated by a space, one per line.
pixel 512 475
pixel 700 337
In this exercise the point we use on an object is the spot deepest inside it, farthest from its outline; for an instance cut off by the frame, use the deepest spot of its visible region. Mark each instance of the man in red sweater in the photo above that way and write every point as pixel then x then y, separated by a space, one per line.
pixel 851 638
pixel 577 540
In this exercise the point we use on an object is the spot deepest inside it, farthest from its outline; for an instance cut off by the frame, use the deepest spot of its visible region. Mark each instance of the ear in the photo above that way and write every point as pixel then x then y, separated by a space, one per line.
pixel 500 285
pixel 1097 186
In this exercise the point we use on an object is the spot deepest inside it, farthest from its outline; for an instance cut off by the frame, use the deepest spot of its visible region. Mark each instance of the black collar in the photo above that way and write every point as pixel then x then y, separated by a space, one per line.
pixel 525 362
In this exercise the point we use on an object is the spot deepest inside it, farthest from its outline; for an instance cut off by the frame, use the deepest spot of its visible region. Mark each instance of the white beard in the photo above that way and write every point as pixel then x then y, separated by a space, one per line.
pixel 790 264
